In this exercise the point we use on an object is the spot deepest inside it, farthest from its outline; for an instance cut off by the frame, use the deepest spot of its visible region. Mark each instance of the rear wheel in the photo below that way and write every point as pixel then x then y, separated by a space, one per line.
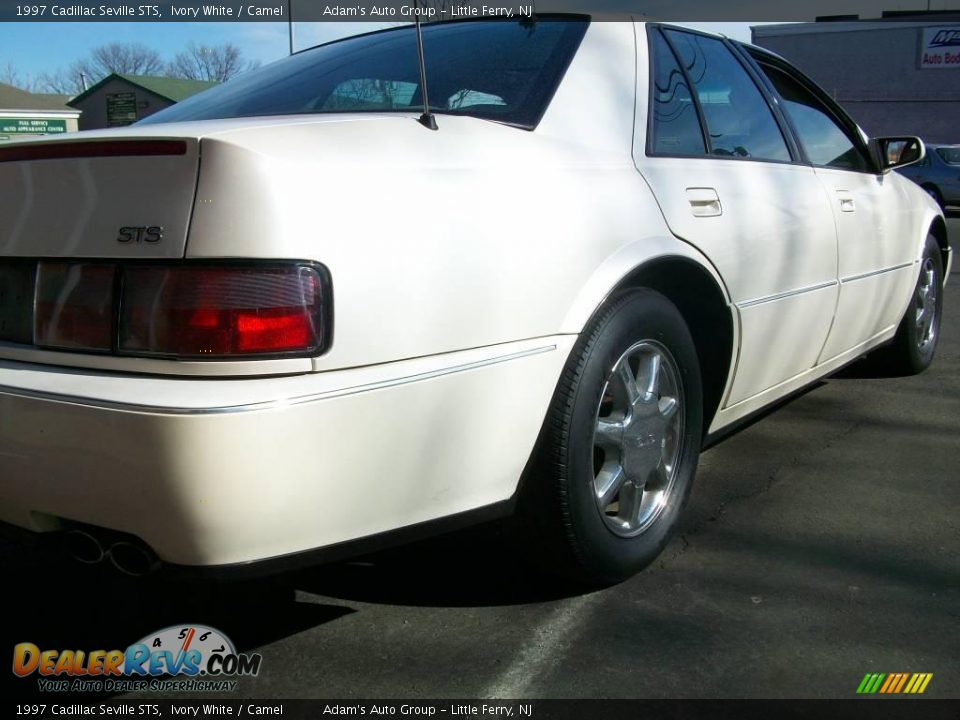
pixel 915 343
pixel 619 450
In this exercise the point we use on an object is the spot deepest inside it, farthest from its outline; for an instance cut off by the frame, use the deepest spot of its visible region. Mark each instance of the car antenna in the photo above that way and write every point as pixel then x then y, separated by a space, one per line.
pixel 427 119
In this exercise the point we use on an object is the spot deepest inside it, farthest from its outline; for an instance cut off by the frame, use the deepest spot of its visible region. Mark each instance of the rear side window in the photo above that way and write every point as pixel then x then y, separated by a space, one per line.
pixel 950 155
pixel 739 121
pixel 824 141
pixel 496 70
pixel 675 127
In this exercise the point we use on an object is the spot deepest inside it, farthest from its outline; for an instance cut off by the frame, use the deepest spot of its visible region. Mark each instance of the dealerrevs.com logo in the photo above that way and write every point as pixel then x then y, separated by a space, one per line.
pixel 185 658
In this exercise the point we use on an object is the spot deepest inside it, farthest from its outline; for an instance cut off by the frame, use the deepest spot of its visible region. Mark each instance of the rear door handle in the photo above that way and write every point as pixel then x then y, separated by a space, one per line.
pixel 846 201
pixel 704 202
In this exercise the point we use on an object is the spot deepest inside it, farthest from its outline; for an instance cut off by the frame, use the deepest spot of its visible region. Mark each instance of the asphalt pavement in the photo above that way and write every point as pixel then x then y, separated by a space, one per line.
pixel 820 544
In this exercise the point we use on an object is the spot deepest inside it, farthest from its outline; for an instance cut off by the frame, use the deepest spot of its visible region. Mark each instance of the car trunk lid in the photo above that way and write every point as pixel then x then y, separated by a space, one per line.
pixel 103 198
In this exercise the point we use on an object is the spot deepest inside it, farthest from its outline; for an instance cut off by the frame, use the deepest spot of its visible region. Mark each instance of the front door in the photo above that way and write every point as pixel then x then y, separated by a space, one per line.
pixel 875 255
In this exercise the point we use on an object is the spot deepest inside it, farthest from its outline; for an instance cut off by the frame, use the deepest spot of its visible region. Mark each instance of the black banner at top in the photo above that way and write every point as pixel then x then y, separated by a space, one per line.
pixel 439 10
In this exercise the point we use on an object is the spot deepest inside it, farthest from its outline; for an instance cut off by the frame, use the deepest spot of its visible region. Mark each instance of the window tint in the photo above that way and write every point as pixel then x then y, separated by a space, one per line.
pixel 738 118
pixel 498 70
pixel 676 127
pixel 822 138
pixel 366 93
pixel 949 155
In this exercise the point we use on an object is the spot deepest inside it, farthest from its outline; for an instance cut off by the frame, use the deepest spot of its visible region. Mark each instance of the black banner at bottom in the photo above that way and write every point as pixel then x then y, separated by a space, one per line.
pixel 861 709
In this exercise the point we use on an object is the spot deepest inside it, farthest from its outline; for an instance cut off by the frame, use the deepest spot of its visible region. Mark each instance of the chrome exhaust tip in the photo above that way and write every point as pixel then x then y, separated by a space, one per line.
pixel 133 559
pixel 84 547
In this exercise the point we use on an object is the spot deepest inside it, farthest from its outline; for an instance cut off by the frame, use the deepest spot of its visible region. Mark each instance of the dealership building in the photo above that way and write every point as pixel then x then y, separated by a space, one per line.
pixel 25 114
pixel 120 100
pixel 896 76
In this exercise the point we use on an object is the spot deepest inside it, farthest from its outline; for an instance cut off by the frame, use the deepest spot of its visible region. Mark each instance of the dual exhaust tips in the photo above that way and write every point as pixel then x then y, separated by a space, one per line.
pixel 130 558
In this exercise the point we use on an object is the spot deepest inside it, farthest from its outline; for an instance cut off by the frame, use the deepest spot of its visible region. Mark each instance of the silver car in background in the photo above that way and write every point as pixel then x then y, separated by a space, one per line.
pixel 938 173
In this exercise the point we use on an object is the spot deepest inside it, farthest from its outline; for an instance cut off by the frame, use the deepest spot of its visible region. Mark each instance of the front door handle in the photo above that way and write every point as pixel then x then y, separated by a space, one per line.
pixel 846 201
pixel 704 202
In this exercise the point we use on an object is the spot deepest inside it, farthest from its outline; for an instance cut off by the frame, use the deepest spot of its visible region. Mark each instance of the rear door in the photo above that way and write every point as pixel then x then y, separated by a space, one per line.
pixel 729 182
pixel 876 248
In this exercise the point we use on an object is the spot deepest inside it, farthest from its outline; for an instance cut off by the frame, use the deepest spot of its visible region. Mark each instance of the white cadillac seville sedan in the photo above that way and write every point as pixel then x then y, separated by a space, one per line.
pixel 286 320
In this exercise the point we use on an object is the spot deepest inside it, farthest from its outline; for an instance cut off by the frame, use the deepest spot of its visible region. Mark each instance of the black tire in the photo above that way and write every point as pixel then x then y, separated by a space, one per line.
pixel 558 504
pixel 913 348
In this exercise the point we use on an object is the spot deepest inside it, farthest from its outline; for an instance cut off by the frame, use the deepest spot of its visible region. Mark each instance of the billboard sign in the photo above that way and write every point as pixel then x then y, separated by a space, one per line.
pixel 940 47
pixel 121 109
pixel 31 126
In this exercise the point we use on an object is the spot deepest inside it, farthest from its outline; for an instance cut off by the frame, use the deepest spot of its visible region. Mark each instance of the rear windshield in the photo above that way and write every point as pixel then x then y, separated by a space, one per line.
pixel 948 154
pixel 496 70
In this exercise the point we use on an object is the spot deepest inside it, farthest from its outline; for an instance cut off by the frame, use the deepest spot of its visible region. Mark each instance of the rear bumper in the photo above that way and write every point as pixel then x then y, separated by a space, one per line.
pixel 225 472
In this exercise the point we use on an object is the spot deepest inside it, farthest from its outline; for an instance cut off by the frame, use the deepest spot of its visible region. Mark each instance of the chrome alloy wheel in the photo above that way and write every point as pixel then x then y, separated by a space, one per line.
pixel 927 305
pixel 637 438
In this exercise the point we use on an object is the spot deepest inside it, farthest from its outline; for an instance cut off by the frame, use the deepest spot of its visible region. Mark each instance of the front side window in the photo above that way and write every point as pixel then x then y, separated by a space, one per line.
pixel 824 141
pixel 491 69
pixel 738 119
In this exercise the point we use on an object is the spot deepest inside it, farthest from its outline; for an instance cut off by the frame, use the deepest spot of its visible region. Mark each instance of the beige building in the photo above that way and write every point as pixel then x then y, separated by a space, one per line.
pixel 24 114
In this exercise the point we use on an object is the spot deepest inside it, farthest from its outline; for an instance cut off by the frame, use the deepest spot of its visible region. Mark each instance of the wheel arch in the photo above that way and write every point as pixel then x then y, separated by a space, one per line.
pixel 938 228
pixel 697 292
pixel 704 307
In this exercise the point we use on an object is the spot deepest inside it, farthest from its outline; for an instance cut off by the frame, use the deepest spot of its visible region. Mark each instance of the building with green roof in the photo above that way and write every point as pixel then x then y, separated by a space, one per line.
pixel 119 99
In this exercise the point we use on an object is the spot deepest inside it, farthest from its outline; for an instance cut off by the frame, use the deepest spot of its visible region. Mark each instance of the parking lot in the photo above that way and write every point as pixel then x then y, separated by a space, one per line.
pixel 820 544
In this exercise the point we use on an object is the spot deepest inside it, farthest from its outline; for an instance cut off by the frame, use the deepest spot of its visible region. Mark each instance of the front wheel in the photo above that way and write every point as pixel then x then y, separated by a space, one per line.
pixel 619 450
pixel 913 347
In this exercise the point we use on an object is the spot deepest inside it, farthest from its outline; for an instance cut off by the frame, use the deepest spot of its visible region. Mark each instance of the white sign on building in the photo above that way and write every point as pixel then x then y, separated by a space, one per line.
pixel 940 47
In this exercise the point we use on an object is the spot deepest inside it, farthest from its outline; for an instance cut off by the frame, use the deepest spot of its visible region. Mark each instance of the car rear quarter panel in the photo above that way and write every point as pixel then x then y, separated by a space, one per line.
pixel 474 235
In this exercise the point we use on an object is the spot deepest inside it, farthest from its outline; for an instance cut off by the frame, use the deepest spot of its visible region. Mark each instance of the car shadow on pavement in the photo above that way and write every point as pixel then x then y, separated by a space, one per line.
pixel 57 603
pixel 481 566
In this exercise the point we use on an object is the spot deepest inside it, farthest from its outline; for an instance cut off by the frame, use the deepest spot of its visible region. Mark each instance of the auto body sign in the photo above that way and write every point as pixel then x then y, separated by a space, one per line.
pixel 940 47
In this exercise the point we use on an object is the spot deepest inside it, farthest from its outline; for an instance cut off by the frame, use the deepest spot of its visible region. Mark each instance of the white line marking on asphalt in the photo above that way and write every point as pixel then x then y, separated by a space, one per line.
pixel 543 651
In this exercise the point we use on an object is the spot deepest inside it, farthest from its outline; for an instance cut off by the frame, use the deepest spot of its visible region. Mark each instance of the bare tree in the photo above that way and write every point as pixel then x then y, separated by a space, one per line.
pixel 128 58
pixel 10 75
pixel 61 82
pixel 124 58
pixel 217 63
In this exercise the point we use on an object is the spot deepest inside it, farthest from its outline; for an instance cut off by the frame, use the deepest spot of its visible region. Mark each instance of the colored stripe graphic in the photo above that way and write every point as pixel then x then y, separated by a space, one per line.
pixel 870 683
pixel 894 683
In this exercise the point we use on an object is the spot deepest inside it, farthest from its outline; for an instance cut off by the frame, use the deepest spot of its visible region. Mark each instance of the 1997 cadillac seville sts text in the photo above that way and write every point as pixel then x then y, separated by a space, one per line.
pixel 284 318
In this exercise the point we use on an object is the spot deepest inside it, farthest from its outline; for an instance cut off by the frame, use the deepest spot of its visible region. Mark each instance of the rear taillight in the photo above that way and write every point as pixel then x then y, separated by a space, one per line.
pixel 221 311
pixel 187 310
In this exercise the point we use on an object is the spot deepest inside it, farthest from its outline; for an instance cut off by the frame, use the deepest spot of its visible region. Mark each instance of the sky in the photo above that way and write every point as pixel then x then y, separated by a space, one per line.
pixel 37 48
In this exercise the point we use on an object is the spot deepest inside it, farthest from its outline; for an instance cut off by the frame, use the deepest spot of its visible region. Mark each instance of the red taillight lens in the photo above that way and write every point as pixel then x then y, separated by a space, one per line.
pixel 221 311
pixel 74 307
pixel 191 310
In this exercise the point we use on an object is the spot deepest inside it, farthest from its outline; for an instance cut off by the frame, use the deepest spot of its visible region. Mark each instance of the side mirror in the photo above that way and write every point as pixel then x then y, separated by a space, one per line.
pixel 896 152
